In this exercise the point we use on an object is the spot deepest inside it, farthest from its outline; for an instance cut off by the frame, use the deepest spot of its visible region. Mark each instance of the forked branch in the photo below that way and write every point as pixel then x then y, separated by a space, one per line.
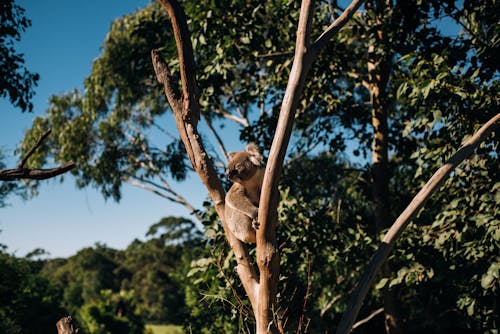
pixel 261 290
pixel 404 219
pixel 305 54
pixel 186 109
pixel 35 174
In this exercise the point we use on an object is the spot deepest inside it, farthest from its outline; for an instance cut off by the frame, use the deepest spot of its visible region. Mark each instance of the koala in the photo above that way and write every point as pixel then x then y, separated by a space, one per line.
pixel 246 170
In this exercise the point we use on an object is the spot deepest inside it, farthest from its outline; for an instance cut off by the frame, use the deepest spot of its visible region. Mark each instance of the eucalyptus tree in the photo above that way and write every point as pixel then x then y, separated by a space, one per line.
pixel 393 84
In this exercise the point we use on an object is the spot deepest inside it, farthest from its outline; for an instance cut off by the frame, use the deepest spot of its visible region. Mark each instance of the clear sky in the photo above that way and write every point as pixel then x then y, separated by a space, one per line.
pixel 65 37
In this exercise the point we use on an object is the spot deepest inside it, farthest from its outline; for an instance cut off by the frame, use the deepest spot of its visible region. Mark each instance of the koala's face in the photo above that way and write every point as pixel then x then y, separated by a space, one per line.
pixel 240 167
pixel 243 165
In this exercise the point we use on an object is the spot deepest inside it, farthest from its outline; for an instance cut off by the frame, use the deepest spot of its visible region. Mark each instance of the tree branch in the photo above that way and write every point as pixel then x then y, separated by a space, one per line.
pixel 267 255
pixel 404 219
pixel 190 92
pixel 335 27
pixel 35 174
pixel 217 138
pixel 368 318
pixel 173 197
pixel 66 325
pixel 34 148
pixel 242 121
pixel 186 112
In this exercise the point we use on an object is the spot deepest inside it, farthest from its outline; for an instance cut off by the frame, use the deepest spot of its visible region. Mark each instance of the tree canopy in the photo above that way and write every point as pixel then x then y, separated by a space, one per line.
pixel 394 86
pixel 16 82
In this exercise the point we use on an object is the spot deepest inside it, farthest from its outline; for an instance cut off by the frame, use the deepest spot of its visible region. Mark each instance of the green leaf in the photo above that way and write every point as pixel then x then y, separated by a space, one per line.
pixel 470 308
pixel 381 283
pixel 245 40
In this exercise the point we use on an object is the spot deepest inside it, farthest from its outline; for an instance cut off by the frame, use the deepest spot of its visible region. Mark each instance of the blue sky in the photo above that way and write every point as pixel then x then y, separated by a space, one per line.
pixel 65 37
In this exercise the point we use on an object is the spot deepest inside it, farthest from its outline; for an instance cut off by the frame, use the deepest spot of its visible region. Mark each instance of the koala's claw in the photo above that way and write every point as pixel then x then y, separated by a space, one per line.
pixel 255 224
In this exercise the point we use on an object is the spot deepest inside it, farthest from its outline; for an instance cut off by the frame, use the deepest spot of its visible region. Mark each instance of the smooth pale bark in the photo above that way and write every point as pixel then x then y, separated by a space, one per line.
pixel 305 54
pixel 404 219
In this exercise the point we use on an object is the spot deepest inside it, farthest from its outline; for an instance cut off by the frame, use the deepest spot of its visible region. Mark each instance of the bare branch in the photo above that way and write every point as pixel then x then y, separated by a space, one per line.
pixel 190 91
pixel 267 253
pixel 163 76
pixel 35 174
pixel 404 219
pixel 368 318
pixel 186 113
pixel 236 119
pixel 335 27
pixel 34 148
pixel 267 256
pixel 173 197
pixel 217 138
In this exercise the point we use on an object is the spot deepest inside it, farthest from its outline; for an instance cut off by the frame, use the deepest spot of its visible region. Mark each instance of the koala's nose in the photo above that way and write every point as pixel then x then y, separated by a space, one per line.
pixel 230 173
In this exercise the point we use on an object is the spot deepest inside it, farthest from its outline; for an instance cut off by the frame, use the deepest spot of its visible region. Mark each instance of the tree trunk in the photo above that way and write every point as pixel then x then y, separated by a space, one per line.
pixel 379 67
pixel 66 325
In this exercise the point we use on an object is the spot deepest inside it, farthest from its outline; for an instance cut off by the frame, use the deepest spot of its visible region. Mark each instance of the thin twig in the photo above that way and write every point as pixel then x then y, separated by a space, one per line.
pixel 34 148
pixel 306 297
pixel 243 121
pixel 217 138
pixel 36 173
pixel 368 318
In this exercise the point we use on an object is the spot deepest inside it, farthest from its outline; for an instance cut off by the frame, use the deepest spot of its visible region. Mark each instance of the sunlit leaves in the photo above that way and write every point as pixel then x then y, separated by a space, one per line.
pixel 16 82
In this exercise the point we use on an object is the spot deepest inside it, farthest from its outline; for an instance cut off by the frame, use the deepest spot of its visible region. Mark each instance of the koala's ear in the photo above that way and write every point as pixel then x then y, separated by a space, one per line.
pixel 254 154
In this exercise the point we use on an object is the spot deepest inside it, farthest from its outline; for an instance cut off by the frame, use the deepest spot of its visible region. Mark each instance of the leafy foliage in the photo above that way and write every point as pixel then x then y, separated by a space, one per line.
pixel 16 82
pixel 111 313
pixel 29 303
pixel 10 187
pixel 440 88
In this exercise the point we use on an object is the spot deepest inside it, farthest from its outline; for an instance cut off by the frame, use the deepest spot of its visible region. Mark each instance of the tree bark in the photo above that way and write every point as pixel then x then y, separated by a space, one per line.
pixel 379 67
pixel 305 54
pixel 66 325
pixel 186 111
pixel 35 174
pixel 380 256
pixel 378 75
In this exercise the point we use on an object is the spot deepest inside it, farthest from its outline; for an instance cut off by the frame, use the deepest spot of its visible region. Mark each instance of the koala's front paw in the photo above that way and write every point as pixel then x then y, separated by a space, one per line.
pixel 255 224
